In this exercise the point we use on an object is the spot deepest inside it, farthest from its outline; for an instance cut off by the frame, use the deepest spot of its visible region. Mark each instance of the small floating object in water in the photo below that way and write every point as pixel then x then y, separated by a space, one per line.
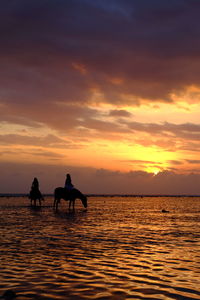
pixel 8 295
pixel 165 211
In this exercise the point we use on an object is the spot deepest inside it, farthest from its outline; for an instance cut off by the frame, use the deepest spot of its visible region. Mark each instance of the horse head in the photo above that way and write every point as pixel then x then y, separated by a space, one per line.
pixel 84 200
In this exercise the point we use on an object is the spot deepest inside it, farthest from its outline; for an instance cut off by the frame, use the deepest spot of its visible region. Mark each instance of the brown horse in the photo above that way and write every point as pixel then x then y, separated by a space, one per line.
pixel 71 196
pixel 34 196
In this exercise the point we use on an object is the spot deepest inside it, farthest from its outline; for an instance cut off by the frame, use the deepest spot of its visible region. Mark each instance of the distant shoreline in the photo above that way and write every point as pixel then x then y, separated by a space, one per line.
pixel 9 195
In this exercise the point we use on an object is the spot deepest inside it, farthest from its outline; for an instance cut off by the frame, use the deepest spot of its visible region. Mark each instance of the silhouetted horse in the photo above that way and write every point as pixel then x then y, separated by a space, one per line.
pixel 34 196
pixel 71 196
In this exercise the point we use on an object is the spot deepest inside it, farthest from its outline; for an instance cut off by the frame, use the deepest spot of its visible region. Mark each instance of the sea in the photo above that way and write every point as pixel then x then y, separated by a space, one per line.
pixel 141 247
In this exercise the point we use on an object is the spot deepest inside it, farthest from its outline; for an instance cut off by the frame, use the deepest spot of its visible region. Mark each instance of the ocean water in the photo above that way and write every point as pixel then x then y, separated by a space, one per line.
pixel 120 248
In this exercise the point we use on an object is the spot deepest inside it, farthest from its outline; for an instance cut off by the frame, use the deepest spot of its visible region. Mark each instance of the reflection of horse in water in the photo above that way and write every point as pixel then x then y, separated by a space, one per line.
pixel 34 196
pixel 68 195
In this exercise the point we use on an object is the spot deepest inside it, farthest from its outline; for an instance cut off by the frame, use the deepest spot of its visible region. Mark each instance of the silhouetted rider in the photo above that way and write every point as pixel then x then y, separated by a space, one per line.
pixel 35 189
pixel 68 183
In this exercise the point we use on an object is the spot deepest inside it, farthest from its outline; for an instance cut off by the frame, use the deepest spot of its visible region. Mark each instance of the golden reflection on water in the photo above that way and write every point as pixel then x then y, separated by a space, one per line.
pixel 121 248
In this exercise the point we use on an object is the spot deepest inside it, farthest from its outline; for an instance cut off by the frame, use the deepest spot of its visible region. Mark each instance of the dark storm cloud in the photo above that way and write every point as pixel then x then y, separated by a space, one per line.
pixel 193 161
pixel 120 113
pixel 186 131
pixel 145 162
pixel 175 162
pixel 152 45
pixel 34 152
pixel 45 141
pixel 99 181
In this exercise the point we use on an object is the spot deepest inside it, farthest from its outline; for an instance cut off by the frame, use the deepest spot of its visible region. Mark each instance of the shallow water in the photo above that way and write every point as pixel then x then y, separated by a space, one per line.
pixel 120 248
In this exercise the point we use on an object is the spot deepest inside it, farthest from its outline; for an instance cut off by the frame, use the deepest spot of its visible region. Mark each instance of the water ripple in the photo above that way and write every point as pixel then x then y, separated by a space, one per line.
pixel 108 252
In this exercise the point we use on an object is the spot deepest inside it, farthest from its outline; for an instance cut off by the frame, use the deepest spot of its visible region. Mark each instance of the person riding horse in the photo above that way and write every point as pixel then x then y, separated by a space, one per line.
pixel 35 192
pixel 68 193
pixel 68 183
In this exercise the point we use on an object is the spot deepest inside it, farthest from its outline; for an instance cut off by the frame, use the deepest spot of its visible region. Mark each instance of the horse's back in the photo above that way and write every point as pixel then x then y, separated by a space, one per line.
pixel 58 189
pixel 58 192
pixel 35 194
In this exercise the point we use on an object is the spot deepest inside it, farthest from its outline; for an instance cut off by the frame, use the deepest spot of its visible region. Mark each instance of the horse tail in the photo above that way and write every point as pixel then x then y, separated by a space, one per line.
pixel 55 197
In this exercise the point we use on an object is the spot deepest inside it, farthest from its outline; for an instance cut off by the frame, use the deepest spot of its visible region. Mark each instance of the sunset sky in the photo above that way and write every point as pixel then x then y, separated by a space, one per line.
pixel 107 90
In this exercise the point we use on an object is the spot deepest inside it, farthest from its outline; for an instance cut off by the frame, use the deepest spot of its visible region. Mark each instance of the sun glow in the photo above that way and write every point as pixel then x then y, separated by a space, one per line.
pixel 116 155
pixel 153 170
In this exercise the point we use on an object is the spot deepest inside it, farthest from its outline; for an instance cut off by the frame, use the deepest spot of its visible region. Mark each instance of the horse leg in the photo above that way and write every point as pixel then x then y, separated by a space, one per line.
pixel 71 202
pixel 74 205
pixel 56 201
pixel 39 201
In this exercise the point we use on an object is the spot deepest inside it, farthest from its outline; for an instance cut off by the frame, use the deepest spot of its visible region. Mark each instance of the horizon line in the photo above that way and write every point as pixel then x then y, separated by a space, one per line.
pixel 104 195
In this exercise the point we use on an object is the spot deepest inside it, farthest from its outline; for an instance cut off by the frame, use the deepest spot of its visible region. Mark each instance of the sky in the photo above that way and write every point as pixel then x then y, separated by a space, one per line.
pixel 108 91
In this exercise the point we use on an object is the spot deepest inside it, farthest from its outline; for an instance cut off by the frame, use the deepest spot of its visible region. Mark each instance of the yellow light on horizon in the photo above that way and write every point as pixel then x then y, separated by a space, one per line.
pixel 153 170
